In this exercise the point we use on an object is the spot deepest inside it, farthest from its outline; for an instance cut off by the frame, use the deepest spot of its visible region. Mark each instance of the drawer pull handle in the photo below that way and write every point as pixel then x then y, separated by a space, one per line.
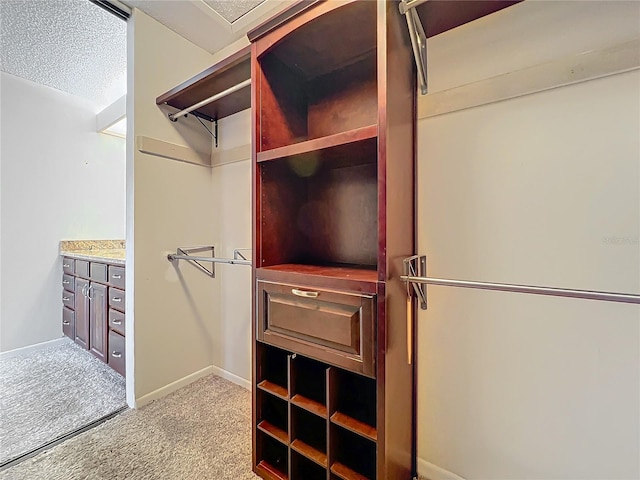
pixel 304 293
pixel 116 299
pixel 66 265
pixel 65 299
pixel 65 282
pixel 116 276
pixel 115 354
pixel 117 322
pixel 66 322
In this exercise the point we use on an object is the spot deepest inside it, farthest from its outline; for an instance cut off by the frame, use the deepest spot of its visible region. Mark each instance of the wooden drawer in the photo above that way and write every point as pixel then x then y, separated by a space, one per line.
pixel 116 321
pixel 68 265
pixel 331 326
pixel 116 276
pixel 82 268
pixel 98 272
pixel 116 352
pixel 69 282
pixel 68 322
pixel 116 299
pixel 68 299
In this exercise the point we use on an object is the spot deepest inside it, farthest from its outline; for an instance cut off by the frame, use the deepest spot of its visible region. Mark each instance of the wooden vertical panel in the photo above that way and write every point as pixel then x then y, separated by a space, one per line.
pixel 397 100
pixel 82 314
pixel 256 359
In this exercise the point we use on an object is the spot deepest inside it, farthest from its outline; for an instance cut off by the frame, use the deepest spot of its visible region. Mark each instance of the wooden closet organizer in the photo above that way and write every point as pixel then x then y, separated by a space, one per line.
pixel 334 146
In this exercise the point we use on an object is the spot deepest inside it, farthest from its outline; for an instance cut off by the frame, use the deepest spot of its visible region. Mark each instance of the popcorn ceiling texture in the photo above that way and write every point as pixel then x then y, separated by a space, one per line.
pixel 70 45
pixel 233 10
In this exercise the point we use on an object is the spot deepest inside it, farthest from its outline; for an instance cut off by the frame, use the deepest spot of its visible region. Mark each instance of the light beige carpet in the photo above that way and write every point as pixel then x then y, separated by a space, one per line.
pixel 202 431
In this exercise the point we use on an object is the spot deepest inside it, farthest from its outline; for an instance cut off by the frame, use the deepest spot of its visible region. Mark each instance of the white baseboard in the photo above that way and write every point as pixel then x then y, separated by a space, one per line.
pixel 172 387
pixel 19 352
pixel 429 471
pixel 232 377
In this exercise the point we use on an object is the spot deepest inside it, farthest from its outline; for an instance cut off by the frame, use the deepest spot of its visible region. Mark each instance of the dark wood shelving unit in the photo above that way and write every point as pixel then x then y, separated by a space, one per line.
pixel 217 78
pixel 334 120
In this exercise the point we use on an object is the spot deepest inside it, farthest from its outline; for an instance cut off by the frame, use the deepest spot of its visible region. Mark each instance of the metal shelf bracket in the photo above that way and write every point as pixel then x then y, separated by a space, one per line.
pixel 415 266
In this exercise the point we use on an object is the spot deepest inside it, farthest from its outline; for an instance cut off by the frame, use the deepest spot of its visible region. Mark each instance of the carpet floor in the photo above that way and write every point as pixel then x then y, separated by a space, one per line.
pixel 51 393
pixel 202 431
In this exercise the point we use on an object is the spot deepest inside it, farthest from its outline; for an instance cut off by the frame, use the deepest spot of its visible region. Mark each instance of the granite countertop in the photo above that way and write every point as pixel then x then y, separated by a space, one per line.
pixel 108 251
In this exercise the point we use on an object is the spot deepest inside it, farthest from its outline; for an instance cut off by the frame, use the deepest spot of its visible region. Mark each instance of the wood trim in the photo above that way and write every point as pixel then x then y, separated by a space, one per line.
pixel 172 151
pixel 278 19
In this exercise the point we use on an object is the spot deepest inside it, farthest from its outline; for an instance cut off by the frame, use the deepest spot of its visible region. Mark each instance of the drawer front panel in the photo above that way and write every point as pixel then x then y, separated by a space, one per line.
pixel 99 272
pixel 116 299
pixel 68 299
pixel 116 321
pixel 69 282
pixel 68 265
pixel 68 322
pixel 116 352
pixel 116 276
pixel 333 327
pixel 82 268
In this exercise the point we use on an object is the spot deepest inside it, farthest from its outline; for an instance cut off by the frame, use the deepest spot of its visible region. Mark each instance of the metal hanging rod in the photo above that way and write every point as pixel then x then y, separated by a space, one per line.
pixel 418 39
pixel 531 289
pixel 184 253
pixel 175 116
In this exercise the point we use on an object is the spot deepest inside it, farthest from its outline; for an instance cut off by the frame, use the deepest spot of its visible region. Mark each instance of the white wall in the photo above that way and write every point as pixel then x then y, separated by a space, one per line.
pixel 232 199
pixel 543 190
pixel 60 180
pixel 170 204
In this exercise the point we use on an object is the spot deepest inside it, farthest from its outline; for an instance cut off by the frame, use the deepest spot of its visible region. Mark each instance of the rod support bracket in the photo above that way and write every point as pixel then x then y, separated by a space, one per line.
pixel 415 266
pixel 187 251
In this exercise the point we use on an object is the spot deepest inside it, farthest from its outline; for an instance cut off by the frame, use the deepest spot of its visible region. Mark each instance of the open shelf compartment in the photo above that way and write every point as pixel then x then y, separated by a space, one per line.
pixel 307 92
pixel 309 385
pixel 304 469
pixel 273 371
pixel 272 415
pixel 272 456
pixel 353 405
pixel 353 457
pixel 309 435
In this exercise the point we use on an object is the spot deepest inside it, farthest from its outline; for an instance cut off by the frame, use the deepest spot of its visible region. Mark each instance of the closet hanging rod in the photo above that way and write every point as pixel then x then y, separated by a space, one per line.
pixel 506 287
pixel 175 116
pixel 184 253
pixel 407 5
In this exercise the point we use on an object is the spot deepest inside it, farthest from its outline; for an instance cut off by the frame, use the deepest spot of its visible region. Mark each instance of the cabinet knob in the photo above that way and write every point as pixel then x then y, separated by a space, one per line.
pixel 304 293
pixel 116 299
pixel 117 322
pixel 66 322
pixel 116 354
pixel 65 282
pixel 66 265
pixel 65 299
pixel 116 276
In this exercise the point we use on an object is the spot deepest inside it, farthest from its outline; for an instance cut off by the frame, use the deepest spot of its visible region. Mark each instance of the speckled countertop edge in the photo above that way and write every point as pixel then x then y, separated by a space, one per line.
pixel 107 251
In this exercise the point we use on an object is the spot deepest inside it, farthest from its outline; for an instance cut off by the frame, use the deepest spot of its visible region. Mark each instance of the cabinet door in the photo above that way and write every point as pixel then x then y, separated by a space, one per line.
pixel 98 321
pixel 82 313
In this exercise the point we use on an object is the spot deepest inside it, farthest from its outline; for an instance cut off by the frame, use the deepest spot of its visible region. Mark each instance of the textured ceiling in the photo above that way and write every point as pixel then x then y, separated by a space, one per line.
pixel 233 10
pixel 70 45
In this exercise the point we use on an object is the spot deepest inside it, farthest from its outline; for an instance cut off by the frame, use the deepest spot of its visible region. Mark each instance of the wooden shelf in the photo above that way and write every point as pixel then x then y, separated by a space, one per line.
pixel 345 472
pixel 273 472
pixel 360 274
pixel 438 17
pixel 274 389
pixel 274 432
pixel 355 426
pixel 362 141
pixel 217 78
pixel 309 405
pixel 311 453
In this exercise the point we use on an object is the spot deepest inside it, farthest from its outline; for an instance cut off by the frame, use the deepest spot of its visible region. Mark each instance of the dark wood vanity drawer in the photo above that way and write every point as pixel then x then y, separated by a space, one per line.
pixel 116 276
pixel 116 321
pixel 68 299
pixel 68 322
pixel 331 326
pixel 98 272
pixel 68 265
pixel 82 268
pixel 116 352
pixel 116 299
pixel 69 282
